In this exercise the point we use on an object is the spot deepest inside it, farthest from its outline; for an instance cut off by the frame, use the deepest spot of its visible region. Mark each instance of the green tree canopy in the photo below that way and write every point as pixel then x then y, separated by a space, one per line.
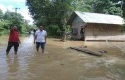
pixel 12 18
pixel 56 12
pixel 107 7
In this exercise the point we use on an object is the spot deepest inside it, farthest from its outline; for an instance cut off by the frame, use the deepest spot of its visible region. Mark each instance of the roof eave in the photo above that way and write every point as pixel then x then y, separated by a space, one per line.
pixel 72 17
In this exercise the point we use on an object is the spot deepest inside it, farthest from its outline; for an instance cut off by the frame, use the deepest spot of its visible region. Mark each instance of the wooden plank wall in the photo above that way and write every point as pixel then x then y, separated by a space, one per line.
pixel 103 32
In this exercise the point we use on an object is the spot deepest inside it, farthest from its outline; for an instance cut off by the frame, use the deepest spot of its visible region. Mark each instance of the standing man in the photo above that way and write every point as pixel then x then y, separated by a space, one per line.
pixel 13 40
pixel 40 39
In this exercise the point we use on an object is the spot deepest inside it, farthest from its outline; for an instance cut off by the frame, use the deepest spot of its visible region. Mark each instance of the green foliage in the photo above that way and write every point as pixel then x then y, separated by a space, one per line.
pixel 54 13
pixel 5 24
pixel 123 8
pixel 9 15
pixel 27 28
pixel 3 31
pixel 53 30
pixel 115 11
pixel 11 18
pixel 50 12
pixel 82 5
pixel 107 7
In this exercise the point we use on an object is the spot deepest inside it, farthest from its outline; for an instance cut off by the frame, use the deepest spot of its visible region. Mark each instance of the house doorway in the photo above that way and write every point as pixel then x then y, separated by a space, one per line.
pixel 82 31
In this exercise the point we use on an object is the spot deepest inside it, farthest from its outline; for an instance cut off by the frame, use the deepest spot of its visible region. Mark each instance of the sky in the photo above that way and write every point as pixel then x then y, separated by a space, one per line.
pixel 20 4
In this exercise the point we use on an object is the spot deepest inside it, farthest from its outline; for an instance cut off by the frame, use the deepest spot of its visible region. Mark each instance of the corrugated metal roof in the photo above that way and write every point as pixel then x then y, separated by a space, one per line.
pixel 88 17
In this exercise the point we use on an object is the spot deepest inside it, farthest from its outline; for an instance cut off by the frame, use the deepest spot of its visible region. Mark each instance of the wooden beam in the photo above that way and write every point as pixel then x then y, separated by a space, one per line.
pixel 87 51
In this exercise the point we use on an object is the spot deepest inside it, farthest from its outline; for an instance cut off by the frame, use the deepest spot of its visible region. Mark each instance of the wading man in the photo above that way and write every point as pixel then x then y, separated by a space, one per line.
pixel 13 40
pixel 40 38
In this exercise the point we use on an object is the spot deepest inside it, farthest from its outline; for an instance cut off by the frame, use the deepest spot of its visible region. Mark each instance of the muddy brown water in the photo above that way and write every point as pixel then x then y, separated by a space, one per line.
pixel 61 63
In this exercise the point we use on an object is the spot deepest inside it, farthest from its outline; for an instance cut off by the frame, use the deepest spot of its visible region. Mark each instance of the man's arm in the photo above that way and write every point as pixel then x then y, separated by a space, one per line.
pixel 45 39
pixel 19 39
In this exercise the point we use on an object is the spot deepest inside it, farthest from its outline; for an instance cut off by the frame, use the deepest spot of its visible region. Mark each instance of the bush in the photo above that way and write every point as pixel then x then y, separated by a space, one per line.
pixel 3 32
pixel 53 30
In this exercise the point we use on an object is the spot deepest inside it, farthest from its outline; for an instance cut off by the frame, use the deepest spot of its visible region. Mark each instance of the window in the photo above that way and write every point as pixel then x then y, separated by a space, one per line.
pixel 75 31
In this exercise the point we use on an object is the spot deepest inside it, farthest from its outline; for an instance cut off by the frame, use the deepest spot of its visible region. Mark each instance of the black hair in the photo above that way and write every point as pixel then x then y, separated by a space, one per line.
pixel 34 30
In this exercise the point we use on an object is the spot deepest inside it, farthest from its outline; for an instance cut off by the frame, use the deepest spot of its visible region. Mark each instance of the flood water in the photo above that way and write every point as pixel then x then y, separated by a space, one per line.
pixel 59 62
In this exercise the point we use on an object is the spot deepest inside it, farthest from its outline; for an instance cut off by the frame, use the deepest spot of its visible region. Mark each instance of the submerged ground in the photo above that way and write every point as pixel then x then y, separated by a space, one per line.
pixel 59 62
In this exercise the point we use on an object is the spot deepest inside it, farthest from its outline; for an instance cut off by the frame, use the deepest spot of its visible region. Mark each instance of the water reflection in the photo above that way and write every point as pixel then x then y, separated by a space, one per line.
pixel 13 67
pixel 13 64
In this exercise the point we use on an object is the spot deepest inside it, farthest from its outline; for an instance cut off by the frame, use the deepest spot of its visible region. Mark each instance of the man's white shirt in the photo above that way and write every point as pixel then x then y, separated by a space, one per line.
pixel 40 35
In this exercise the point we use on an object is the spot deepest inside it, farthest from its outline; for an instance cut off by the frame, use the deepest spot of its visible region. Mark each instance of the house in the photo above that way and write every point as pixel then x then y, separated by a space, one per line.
pixel 95 26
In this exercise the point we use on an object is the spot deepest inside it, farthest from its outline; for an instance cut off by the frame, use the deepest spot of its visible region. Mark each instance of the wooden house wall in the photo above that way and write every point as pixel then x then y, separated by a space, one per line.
pixel 103 32
pixel 76 24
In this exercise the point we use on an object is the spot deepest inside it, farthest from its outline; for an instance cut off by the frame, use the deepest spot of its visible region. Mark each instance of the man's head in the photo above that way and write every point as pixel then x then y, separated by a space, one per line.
pixel 14 27
pixel 41 28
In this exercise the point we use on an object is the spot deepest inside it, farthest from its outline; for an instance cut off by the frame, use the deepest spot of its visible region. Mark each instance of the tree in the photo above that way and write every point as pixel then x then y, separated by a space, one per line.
pixel 13 18
pixel 56 12
pixel 107 7
pixel 51 12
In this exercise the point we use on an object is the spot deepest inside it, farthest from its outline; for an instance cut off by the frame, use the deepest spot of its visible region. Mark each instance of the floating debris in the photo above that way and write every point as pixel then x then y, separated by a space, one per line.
pixel 87 51
pixel 103 51
pixel 83 47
